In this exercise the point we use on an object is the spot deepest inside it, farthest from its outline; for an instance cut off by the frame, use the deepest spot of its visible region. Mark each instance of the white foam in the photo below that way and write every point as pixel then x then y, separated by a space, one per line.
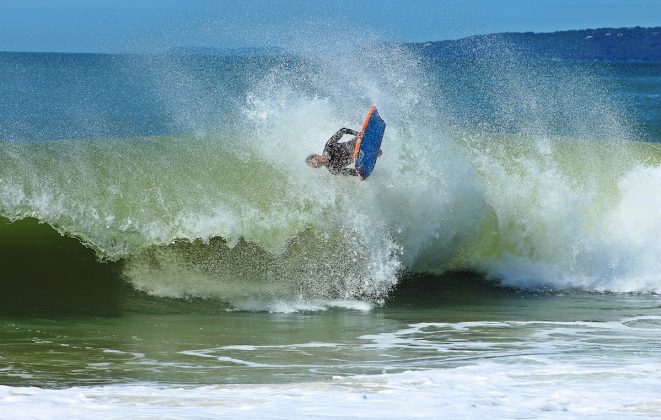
pixel 487 390
pixel 577 244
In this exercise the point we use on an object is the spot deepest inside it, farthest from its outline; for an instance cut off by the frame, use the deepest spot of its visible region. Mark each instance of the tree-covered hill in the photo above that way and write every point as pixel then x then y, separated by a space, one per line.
pixel 604 44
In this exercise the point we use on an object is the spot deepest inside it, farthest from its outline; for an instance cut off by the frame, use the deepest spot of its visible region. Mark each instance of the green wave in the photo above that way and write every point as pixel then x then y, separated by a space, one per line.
pixel 211 217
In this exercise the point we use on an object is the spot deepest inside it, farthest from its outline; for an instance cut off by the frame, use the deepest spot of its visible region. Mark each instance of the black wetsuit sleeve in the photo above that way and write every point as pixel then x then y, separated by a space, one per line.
pixel 337 136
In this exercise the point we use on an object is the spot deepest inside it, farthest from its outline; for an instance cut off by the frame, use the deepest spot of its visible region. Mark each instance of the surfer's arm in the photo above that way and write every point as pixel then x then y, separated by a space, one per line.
pixel 341 132
pixel 350 131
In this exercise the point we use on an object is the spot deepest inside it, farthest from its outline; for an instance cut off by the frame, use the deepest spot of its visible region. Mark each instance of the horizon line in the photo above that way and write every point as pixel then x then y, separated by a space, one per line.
pixel 165 52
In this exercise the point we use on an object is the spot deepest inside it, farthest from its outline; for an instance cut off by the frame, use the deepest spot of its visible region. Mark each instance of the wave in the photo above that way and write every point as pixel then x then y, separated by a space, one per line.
pixel 549 192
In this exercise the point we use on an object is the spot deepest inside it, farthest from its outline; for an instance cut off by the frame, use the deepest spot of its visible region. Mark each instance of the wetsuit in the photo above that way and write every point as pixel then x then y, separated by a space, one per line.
pixel 341 154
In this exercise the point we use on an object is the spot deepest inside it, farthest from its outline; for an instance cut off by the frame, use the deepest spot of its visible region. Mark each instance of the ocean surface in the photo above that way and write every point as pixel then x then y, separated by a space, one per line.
pixel 165 252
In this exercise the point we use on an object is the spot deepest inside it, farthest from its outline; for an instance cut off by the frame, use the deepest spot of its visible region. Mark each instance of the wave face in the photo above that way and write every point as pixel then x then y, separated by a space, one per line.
pixel 526 173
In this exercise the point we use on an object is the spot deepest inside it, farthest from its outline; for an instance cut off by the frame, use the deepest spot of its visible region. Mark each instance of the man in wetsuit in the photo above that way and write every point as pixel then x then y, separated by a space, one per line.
pixel 336 155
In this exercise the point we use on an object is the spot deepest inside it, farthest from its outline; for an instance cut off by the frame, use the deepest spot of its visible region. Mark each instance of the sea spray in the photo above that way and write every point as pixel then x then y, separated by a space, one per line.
pixel 521 171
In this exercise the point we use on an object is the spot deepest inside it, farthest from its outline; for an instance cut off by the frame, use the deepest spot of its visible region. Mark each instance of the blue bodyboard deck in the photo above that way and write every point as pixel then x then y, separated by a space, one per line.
pixel 369 143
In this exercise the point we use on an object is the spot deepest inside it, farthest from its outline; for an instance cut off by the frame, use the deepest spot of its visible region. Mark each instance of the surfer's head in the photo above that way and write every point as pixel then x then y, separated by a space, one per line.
pixel 316 161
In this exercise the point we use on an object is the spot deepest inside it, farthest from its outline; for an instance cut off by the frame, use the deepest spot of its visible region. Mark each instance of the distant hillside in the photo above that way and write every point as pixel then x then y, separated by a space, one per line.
pixel 605 44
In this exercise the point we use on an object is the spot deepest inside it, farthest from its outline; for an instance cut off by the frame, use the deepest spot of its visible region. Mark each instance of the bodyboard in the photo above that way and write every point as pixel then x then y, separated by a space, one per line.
pixel 369 143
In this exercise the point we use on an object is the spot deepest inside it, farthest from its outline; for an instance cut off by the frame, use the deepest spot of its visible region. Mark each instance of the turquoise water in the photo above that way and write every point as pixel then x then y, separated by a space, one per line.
pixel 164 251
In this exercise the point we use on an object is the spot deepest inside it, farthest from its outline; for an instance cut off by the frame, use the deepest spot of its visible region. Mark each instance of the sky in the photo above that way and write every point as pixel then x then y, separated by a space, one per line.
pixel 158 25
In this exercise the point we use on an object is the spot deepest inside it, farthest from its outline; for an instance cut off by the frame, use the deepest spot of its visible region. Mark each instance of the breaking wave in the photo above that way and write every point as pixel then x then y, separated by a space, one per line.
pixel 529 176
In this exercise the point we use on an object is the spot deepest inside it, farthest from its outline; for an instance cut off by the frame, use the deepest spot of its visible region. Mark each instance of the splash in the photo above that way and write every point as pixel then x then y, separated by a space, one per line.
pixel 508 168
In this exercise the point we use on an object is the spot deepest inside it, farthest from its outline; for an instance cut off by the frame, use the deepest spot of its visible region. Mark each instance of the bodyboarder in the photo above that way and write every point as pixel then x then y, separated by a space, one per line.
pixel 336 156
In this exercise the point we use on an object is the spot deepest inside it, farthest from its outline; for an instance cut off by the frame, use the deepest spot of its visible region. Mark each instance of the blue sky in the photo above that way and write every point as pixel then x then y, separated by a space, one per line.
pixel 156 25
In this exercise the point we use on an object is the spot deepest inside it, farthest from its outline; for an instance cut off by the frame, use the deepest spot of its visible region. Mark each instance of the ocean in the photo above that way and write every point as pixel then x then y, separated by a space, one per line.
pixel 165 251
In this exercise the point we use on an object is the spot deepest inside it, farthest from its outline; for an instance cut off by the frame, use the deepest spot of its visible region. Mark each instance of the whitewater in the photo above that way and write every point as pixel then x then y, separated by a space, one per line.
pixel 167 252
pixel 535 207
